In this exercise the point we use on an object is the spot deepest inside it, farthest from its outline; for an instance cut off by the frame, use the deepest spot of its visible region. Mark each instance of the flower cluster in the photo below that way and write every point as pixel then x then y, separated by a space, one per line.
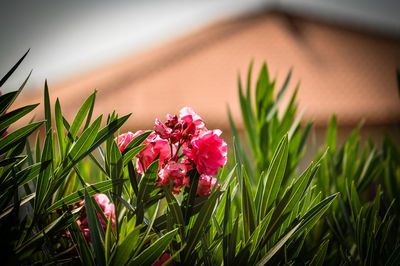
pixel 108 210
pixel 182 143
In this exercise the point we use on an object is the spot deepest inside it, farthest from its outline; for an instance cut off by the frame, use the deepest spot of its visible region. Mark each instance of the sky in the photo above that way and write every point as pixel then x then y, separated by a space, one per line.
pixel 68 38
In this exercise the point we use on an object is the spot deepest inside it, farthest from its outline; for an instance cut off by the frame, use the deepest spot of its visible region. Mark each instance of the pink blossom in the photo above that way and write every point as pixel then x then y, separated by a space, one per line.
pixel 124 139
pixel 163 259
pixel 155 146
pixel 188 115
pixel 162 130
pixel 205 184
pixel 172 120
pixel 208 152
pixel 177 172
pixel 108 210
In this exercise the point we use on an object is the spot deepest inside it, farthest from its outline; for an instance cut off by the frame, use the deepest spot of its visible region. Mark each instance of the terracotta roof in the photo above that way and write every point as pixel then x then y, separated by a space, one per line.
pixel 344 71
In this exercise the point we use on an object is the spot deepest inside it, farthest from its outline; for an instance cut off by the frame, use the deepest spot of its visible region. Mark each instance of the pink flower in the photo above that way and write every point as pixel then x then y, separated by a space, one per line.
pixel 208 152
pixel 124 139
pixel 162 130
pixel 188 115
pixel 155 146
pixel 108 210
pixel 163 259
pixel 172 120
pixel 177 172
pixel 205 184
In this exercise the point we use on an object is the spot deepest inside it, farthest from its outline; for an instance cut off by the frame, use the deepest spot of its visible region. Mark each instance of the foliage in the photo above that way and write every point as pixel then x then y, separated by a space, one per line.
pixel 341 209
pixel 363 226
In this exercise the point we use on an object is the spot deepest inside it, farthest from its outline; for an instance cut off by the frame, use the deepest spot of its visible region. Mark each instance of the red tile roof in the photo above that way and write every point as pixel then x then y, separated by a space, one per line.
pixel 343 71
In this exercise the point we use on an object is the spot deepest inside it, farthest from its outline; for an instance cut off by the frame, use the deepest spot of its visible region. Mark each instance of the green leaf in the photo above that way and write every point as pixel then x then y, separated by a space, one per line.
pixel 275 174
pixel 147 182
pixel 43 180
pixel 85 141
pixel 96 230
pixel 277 246
pixel 60 128
pixel 247 208
pixel 57 225
pixel 11 71
pixel 238 145
pixel 107 131
pixel 154 251
pixel 227 227
pixel 264 93
pixel 47 108
pixel 133 177
pixel 313 215
pixel 331 134
pixel 175 210
pixel 80 116
pixel 202 221
pixel 108 241
pixel 259 233
pixel 190 196
pixel 132 153
pixel 8 210
pixel 7 119
pixel 304 136
pixel 125 247
pixel 136 141
pixel 90 113
pixel 394 258
pixel 354 200
pixel 319 257
pixel 292 197
pixel 7 99
pixel 249 121
pixel 25 175
pixel 258 199
pixel 278 99
pixel 13 138
pixel 149 227
pixel 99 187
pixel 85 255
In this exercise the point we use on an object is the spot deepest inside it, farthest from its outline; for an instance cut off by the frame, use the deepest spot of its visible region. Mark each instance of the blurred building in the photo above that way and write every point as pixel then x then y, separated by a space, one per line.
pixel 341 68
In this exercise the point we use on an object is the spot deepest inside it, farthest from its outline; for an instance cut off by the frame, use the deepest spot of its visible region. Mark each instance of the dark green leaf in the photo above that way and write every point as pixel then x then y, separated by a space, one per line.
pixel 125 247
pixel 43 180
pixel 319 257
pixel 85 141
pixel 7 119
pixel 175 210
pixel 203 219
pixel 60 128
pixel 96 230
pixel 99 187
pixel 85 254
pixel 7 99
pixel 9 73
pixel 47 108
pixel 13 138
pixel 247 208
pixel 154 251
pixel 277 246
pixel 136 141
pixel 132 153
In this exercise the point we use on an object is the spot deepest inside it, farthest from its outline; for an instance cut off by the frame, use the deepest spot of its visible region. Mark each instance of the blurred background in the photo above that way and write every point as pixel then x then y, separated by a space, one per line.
pixel 151 58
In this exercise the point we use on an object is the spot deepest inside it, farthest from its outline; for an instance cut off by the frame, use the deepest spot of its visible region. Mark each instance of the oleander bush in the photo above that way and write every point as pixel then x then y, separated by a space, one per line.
pixel 82 192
